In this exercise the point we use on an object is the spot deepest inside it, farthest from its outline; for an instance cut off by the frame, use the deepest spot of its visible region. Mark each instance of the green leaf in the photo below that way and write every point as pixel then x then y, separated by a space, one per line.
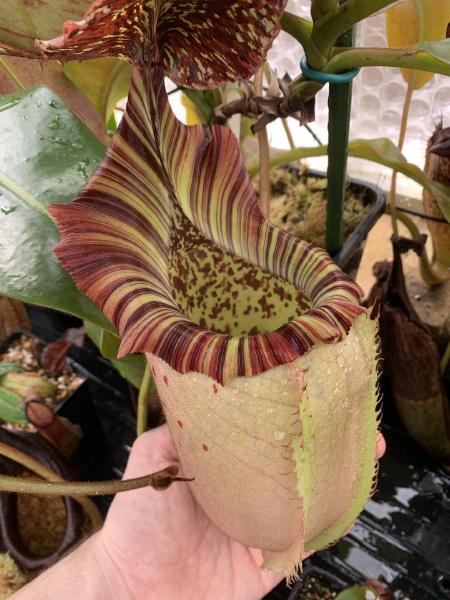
pixel 22 21
pixel 46 155
pixel 131 367
pixel 440 50
pixel 386 153
pixel 433 57
pixel 380 150
pixel 9 367
pixel 104 81
pixel 355 593
pixel 21 73
pixel 11 407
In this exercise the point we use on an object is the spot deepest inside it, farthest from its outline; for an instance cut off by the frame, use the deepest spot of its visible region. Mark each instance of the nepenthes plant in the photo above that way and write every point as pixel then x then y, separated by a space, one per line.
pixel 264 360
pixel 244 326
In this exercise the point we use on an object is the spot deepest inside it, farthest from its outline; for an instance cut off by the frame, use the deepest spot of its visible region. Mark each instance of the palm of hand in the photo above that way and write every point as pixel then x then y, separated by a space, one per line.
pixel 164 546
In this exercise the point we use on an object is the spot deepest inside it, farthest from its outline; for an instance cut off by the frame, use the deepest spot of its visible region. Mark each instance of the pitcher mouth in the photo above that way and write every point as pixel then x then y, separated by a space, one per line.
pixel 169 218
pixel 265 323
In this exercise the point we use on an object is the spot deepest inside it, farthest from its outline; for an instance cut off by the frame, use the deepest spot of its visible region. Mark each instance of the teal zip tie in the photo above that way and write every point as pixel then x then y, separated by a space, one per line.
pixel 324 77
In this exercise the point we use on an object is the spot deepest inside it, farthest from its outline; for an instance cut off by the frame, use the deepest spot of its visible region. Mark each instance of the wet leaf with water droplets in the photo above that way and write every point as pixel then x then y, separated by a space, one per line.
pixel 35 170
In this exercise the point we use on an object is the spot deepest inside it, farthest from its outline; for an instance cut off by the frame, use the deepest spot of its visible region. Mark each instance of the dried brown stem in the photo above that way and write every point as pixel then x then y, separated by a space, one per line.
pixel 401 141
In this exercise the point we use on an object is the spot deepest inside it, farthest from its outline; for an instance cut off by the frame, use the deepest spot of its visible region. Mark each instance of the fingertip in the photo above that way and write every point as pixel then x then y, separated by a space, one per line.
pixel 380 445
pixel 152 450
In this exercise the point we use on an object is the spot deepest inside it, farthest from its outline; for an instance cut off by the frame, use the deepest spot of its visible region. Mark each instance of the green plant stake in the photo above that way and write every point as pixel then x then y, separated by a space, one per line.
pixel 339 104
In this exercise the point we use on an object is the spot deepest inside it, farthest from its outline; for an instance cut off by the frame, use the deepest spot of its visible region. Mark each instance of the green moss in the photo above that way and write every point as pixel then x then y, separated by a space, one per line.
pixel 314 589
pixel 11 577
pixel 299 205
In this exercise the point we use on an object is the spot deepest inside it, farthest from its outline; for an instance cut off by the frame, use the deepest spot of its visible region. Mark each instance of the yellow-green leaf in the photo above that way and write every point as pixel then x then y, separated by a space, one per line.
pixel 357 593
pixel 193 116
pixel 413 21
pixel 10 367
pixel 131 367
pixel 104 81
pixel 11 407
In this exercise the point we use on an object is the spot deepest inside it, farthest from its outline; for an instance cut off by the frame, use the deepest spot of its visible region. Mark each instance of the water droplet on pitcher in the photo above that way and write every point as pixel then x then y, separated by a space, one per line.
pixel 82 168
pixel 54 103
pixel 8 104
pixel 54 123
pixel 59 140
pixel 6 210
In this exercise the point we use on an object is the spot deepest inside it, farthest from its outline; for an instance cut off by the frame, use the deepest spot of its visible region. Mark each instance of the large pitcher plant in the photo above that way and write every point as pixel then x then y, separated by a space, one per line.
pixel 264 360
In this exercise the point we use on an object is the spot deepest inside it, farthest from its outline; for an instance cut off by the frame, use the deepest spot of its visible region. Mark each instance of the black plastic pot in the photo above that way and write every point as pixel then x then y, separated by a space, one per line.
pixel 32 444
pixel 106 413
pixel 77 407
pixel 349 256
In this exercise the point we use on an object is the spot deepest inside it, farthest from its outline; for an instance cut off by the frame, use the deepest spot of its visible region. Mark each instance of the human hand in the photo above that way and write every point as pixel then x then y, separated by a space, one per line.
pixel 162 545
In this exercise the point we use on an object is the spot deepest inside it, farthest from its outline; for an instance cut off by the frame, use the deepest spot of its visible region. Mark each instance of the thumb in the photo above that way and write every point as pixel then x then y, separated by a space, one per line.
pixel 151 452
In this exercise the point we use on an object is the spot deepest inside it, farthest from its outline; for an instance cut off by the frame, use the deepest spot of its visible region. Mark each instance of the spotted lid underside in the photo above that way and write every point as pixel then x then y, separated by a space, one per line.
pixel 199 43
